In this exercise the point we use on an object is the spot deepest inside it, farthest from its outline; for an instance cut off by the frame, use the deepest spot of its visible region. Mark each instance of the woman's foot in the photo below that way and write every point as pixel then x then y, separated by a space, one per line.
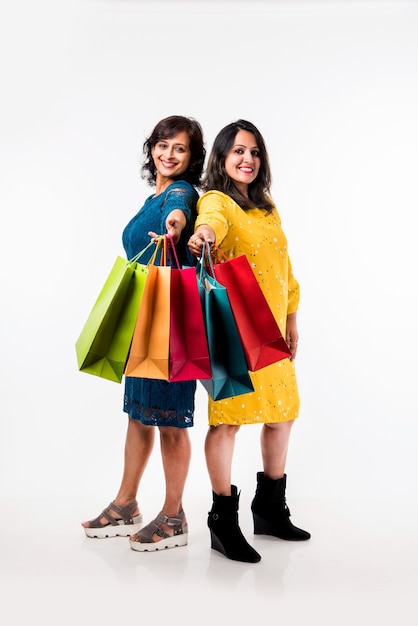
pixel 115 521
pixel 163 532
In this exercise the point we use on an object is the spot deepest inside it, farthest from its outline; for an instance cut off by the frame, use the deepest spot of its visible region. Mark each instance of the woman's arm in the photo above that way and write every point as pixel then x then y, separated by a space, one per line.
pixel 175 222
pixel 292 335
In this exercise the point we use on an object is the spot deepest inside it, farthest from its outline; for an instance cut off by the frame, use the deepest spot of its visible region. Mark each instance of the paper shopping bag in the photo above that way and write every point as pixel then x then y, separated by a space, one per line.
pixel 103 345
pixel 189 353
pixel 260 334
pixel 149 354
pixel 230 375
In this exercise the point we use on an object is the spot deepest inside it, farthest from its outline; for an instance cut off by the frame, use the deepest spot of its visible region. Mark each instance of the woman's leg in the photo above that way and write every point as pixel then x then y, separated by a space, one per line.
pixel 176 455
pixel 138 447
pixel 169 529
pixel 219 451
pixel 225 533
pixel 270 511
pixel 274 447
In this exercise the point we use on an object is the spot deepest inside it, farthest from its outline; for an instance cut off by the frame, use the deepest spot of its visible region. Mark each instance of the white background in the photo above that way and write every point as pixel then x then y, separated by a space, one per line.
pixel 333 87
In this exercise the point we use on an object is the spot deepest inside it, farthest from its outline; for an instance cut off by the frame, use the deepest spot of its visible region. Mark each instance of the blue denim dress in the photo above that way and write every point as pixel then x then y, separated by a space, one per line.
pixel 158 402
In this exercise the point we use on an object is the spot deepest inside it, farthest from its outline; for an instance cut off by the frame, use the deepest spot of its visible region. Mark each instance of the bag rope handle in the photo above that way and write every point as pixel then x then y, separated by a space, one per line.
pixel 163 242
pixel 158 241
pixel 206 264
pixel 217 250
pixel 172 250
pixel 135 258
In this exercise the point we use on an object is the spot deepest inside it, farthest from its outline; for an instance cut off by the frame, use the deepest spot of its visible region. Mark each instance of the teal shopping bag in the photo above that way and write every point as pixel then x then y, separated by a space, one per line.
pixel 102 348
pixel 230 375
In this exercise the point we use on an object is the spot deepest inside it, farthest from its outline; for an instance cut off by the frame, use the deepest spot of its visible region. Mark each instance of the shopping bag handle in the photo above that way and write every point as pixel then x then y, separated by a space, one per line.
pixel 135 258
pixel 206 264
pixel 216 250
pixel 172 250
pixel 166 244
pixel 159 242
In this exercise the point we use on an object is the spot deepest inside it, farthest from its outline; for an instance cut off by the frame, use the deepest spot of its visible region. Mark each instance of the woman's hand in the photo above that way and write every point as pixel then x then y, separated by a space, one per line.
pixel 292 335
pixel 202 234
pixel 175 223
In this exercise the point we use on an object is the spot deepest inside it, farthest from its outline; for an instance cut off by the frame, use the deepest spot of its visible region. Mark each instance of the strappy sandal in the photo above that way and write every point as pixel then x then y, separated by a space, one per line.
pixel 123 525
pixel 143 541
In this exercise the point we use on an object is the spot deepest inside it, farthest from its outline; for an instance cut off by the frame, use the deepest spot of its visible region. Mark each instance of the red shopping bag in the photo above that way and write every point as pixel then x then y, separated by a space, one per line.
pixel 189 353
pixel 260 334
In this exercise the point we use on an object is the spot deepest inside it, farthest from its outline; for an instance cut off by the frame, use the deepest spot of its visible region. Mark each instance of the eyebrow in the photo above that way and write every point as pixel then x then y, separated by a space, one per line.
pixel 241 145
pixel 178 143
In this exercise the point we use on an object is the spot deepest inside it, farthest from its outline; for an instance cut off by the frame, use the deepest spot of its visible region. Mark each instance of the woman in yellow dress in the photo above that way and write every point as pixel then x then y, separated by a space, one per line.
pixel 237 213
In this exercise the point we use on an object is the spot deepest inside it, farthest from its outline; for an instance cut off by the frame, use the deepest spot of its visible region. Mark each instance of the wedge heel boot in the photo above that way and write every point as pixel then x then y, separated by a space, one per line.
pixel 271 514
pixel 225 533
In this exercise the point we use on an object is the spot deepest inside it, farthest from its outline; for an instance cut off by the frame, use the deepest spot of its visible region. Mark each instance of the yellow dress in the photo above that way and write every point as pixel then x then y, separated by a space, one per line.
pixel 260 237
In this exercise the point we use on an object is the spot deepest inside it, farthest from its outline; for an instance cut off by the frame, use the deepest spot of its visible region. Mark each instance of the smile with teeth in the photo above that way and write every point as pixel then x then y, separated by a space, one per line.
pixel 167 163
pixel 246 170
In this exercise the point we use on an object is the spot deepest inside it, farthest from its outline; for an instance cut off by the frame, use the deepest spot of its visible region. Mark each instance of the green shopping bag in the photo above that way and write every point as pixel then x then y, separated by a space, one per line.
pixel 230 375
pixel 103 345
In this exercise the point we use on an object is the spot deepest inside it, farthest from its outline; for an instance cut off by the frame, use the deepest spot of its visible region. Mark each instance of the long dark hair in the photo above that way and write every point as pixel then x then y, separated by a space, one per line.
pixel 217 178
pixel 170 127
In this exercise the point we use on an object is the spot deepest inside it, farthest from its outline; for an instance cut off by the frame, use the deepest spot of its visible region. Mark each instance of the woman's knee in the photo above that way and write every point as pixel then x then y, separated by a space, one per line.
pixel 280 426
pixel 224 430
pixel 172 433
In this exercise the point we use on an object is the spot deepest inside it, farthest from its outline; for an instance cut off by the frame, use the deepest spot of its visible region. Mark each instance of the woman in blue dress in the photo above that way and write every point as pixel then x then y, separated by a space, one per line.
pixel 174 157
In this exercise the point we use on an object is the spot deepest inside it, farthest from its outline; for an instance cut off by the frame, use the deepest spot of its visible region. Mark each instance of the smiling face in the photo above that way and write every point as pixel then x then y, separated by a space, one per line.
pixel 242 162
pixel 172 156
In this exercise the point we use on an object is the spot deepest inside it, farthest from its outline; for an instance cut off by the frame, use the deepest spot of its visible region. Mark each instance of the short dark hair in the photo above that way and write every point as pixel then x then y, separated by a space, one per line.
pixel 217 178
pixel 170 127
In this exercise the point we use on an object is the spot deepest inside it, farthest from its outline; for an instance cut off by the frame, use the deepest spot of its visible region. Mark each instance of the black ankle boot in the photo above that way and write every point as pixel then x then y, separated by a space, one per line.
pixel 225 533
pixel 270 511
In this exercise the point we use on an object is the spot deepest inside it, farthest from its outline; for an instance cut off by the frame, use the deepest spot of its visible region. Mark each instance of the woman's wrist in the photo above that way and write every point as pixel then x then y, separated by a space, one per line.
pixel 205 234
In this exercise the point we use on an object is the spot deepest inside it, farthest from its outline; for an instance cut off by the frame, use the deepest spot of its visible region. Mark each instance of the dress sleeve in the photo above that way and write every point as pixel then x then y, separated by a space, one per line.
pixel 179 196
pixel 293 290
pixel 212 211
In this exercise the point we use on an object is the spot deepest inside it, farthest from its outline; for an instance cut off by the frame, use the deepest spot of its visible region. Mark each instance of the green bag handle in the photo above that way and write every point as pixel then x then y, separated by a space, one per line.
pixel 157 241
pixel 162 241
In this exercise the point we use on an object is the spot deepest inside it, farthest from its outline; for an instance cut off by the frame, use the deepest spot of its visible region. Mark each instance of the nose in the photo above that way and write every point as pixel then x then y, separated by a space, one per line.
pixel 248 157
pixel 169 151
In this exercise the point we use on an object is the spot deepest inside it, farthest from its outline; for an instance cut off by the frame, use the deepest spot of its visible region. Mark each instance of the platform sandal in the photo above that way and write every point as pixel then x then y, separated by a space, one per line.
pixel 174 537
pixel 123 525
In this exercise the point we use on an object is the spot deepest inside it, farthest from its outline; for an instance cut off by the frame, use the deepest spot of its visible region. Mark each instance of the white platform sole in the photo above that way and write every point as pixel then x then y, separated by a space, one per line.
pixel 120 530
pixel 176 541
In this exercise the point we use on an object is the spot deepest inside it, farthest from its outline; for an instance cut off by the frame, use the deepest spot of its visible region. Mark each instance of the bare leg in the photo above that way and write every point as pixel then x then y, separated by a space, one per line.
pixel 274 447
pixel 176 454
pixel 219 450
pixel 138 447
pixel 225 534
pixel 270 511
